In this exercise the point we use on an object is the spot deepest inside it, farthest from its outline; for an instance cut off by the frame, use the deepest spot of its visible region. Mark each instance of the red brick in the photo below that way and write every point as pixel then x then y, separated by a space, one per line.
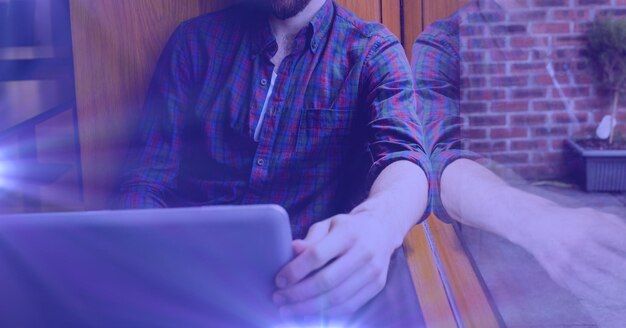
pixel 484 69
pixel 593 2
pixel 549 131
pixel 517 145
pixel 547 80
pixel 583 78
pixel 507 133
pixel 550 28
pixel 473 107
pixel 528 119
pixel 612 13
pixel 558 144
pixel 483 95
pixel 567 40
pixel 529 41
pixel 485 16
pixel 570 14
pixel 493 120
pixel 510 55
pixel 526 68
pixel 566 118
pixel 472 56
pixel 566 54
pixel 509 81
pixel 485 43
pixel 572 92
pixel 510 106
pixel 528 93
pixel 509 29
pixel 548 105
pixel 591 104
pixel 473 82
pixel 527 16
pixel 550 3
pixel 582 28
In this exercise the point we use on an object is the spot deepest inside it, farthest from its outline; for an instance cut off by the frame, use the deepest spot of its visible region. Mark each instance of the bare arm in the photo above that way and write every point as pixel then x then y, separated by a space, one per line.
pixel 582 249
pixel 475 196
pixel 400 195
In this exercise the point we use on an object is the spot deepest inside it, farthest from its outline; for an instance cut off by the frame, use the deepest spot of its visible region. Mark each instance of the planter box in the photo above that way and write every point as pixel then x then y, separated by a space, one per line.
pixel 597 170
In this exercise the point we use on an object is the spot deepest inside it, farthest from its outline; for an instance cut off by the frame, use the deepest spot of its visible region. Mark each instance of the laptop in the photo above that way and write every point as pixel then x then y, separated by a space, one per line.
pixel 191 267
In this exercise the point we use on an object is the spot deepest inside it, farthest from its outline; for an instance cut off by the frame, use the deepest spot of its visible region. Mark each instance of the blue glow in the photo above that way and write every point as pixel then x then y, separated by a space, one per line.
pixel 312 326
pixel 4 170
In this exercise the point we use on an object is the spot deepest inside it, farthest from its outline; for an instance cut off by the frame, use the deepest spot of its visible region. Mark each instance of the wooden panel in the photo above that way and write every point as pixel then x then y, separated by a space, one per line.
pixel 116 45
pixel 418 14
pixel 426 280
pixel 366 9
pixel 412 23
pixel 392 17
pixel 445 280
pixel 467 292
pixel 435 10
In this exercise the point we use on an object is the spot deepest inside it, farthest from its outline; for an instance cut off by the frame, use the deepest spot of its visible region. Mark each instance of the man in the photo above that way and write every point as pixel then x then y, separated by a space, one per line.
pixel 284 101
pixel 581 248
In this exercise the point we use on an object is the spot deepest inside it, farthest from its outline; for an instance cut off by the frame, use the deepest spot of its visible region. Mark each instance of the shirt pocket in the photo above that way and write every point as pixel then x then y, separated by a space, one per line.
pixel 323 132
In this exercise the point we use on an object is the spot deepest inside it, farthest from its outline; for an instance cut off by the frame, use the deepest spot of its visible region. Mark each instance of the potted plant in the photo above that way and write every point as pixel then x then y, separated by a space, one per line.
pixel 601 161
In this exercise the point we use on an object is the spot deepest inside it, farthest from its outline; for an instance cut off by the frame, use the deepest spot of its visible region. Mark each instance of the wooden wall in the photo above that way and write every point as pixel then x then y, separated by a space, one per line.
pixel 117 43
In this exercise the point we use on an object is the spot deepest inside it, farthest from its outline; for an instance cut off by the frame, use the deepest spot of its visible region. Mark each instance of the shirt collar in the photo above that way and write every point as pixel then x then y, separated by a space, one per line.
pixel 315 33
pixel 320 25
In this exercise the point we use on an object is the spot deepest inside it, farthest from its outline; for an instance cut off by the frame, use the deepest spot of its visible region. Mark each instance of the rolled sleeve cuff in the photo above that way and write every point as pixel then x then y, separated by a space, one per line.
pixel 439 161
pixel 417 158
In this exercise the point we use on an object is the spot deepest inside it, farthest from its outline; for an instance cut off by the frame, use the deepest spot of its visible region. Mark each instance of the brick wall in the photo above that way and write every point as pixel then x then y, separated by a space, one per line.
pixel 515 112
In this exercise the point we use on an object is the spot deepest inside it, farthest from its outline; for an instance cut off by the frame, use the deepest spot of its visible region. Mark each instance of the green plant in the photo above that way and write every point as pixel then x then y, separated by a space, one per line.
pixel 606 55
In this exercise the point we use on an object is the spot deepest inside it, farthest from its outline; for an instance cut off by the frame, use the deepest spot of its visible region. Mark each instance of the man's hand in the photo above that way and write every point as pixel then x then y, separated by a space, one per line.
pixel 583 250
pixel 339 266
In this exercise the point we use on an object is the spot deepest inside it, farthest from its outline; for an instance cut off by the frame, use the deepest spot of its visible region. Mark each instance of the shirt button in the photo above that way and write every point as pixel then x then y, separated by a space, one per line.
pixel 263 82
pixel 260 162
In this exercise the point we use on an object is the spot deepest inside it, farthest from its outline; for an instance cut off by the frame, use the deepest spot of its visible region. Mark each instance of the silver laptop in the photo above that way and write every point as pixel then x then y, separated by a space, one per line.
pixel 195 267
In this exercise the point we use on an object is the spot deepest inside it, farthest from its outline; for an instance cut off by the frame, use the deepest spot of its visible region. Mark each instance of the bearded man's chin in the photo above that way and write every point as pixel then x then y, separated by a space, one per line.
pixel 285 9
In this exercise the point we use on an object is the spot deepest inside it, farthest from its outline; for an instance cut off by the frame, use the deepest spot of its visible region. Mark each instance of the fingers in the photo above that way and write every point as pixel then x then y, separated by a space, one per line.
pixel 334 298
pixel 317 232
pixel 313 258
pixel 325 280
pixel 299 246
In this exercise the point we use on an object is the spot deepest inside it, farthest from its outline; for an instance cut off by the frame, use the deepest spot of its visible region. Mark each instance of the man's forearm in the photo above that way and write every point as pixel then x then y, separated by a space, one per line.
pixel 475 196
pixel 399 195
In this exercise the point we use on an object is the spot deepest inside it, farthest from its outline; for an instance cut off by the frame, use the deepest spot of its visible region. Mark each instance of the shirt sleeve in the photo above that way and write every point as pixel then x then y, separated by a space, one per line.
pixel 149 178
pixel 394 130
pixel 436 69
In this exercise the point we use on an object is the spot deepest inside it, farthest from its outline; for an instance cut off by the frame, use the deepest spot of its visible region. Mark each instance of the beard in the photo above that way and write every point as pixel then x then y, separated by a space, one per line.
pixel 282 9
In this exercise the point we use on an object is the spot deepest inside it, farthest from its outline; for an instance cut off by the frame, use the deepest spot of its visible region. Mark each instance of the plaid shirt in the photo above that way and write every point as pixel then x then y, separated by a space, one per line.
pixel 343 108
pixel 436 64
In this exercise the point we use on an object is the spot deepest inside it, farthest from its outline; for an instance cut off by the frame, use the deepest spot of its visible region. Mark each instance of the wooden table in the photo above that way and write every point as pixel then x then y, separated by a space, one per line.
pixel 443 271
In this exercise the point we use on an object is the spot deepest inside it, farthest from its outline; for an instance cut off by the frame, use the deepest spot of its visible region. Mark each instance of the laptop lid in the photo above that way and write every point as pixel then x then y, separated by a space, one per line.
pixel 192 267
